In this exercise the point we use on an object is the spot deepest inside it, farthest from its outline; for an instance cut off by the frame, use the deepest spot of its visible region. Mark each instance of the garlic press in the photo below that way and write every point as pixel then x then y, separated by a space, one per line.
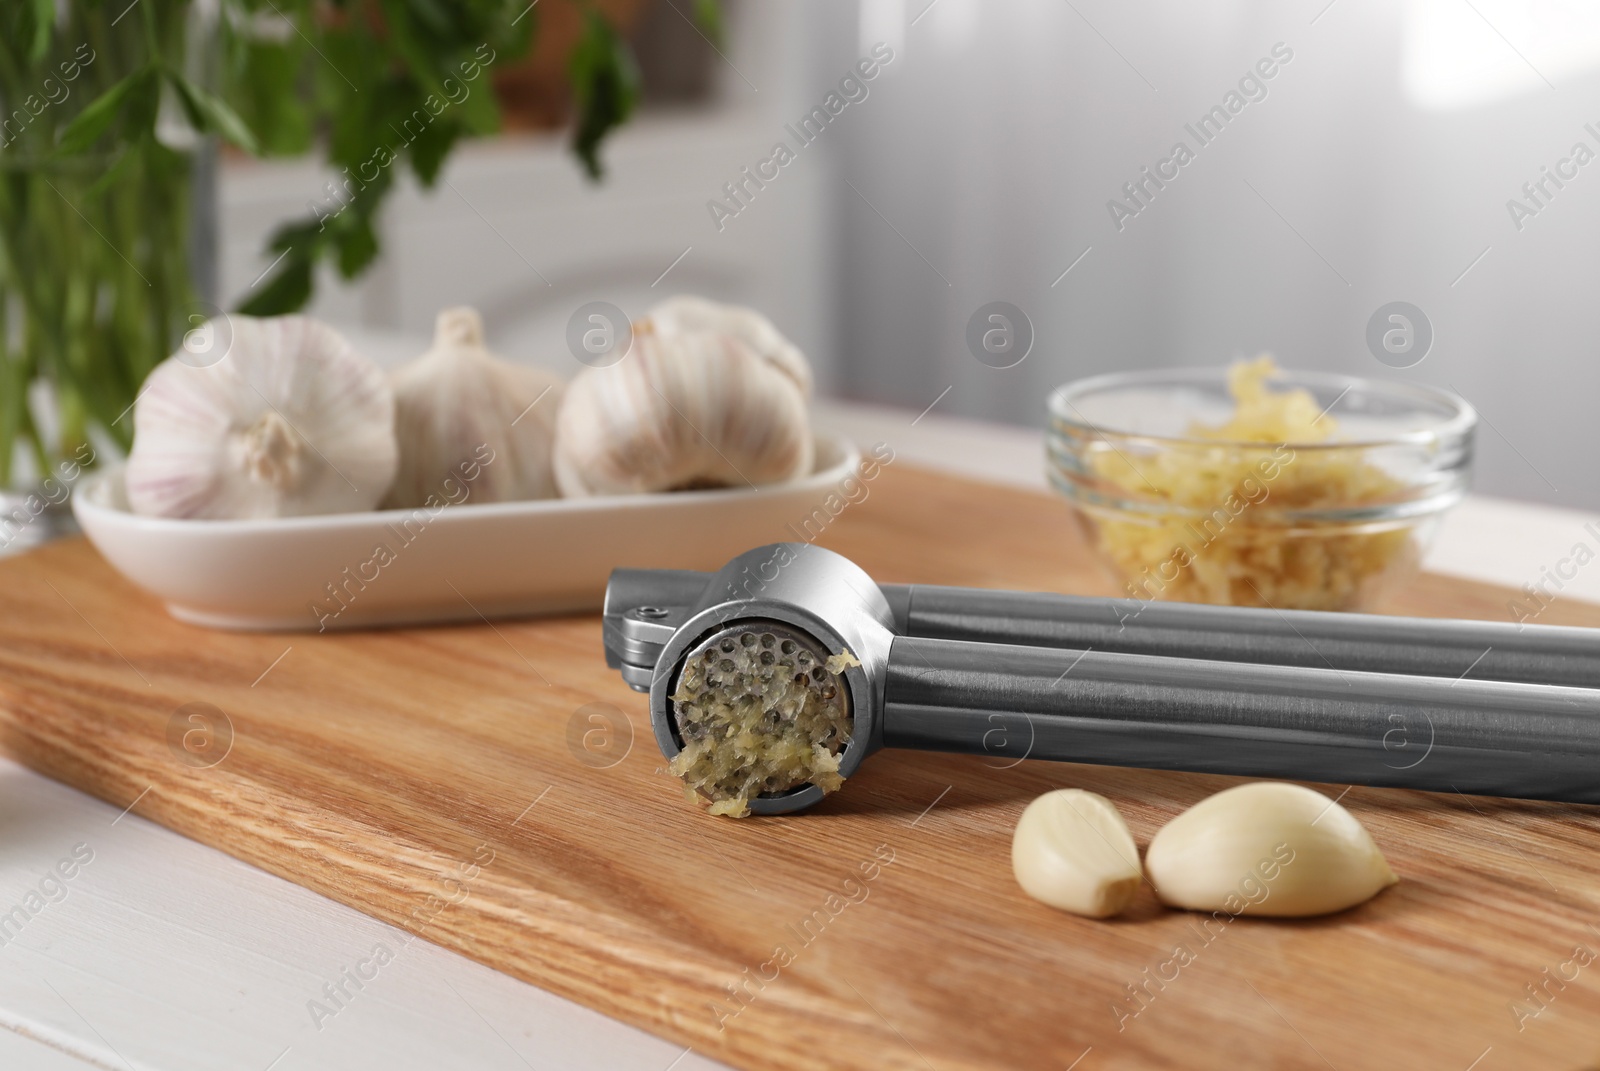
pixel 1446 706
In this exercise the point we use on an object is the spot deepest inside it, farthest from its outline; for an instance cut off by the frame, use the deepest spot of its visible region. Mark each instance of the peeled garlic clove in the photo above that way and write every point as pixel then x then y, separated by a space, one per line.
pixel 1072 850
pixel 686 314
pixel 458 405
pixel 1266 848
pixel 290 421
pixel 682 410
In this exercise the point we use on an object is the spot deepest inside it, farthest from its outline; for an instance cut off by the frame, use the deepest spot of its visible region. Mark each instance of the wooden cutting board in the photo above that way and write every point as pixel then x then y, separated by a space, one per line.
pixel 439 779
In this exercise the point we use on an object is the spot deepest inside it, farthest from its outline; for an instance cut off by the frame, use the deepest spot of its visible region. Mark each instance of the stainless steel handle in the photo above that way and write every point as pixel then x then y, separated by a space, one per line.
pixel 1483 650
pixel 1013 702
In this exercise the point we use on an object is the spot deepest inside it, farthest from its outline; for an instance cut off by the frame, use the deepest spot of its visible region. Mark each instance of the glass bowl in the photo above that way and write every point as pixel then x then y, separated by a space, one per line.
pixel 1311 525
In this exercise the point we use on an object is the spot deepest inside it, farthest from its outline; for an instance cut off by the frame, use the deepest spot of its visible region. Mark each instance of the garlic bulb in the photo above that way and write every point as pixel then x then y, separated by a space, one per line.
pixel 458 399
pixel 290 421
pixel 688 408
pixel 686 314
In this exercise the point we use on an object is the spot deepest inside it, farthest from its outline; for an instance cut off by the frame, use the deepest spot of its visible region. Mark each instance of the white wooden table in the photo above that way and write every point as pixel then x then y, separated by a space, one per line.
pixel 165 955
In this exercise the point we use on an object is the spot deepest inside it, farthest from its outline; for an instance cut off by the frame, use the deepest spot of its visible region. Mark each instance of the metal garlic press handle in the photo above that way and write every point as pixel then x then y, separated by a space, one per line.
pixel 1013 702
pixel 1479 650
pixel 1373 643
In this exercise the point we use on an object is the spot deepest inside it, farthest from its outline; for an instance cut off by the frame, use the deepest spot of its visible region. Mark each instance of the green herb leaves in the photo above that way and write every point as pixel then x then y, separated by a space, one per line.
pixel 131 102
pixel 606 81
pixel 210 114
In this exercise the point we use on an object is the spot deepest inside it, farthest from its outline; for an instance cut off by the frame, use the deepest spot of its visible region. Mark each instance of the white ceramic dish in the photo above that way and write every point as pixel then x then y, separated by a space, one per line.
pixel 463 563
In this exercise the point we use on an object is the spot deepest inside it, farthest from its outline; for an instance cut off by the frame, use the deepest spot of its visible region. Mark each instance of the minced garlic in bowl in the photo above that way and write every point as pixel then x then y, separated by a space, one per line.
pixel 1250 487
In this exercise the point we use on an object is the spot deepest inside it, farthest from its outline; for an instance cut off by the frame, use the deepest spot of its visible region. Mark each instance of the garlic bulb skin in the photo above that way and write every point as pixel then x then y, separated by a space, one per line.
pixel 684 409
pixel 458 398
pixel 687 314
pixel 290 421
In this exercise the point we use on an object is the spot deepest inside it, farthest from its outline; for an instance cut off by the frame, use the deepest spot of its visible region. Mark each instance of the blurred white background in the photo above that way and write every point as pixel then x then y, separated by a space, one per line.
pixel 1376 168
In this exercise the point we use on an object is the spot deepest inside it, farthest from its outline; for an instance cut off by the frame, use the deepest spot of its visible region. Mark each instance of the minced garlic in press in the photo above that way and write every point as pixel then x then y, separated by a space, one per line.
pixel 760 710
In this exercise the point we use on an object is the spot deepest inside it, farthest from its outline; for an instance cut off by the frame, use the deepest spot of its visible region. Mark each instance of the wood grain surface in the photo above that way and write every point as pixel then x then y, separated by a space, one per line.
pixel 439 779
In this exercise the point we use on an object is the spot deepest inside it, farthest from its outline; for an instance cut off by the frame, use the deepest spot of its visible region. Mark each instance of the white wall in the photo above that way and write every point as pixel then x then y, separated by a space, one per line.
pixel 997 142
